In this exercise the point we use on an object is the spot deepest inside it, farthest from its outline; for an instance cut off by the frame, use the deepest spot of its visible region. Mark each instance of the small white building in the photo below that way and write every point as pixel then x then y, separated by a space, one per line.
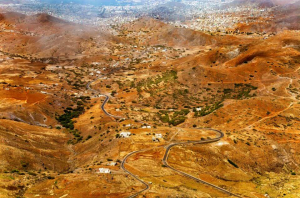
pixel 154 139
pixel 128 125
pixel 125 134
pixel 198 109
pixel 104 170
pixel 158 136
pixel 146 127
pixel 111 163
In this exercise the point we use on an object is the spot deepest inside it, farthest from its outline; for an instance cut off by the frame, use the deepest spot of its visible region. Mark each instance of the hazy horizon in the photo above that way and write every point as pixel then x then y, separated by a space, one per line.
pixel 91 2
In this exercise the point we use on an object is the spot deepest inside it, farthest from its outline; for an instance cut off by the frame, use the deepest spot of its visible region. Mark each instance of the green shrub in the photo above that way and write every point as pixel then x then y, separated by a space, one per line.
pixel 32 173
pixel 89 137
pixel 293 173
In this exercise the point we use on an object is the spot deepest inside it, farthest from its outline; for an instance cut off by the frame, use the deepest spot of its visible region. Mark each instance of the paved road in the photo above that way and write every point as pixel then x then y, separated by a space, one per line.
pixel 134 176
pixel 166 155
pixel 169 147
pixel 88 86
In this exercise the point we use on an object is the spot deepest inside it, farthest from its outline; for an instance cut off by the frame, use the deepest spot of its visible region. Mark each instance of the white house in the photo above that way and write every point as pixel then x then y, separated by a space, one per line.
pixel 128 125
pixel 144 127
pixel 104 170
pixel 148 127
pixel 111 163
pixel 125 134
pixel 198 109
pixel 158 136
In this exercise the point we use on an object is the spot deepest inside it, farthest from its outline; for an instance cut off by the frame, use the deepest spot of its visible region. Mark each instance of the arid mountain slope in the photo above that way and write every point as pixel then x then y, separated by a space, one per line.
pixel 159 33
pixel 44 36
pixel 25 147
pixel 166 84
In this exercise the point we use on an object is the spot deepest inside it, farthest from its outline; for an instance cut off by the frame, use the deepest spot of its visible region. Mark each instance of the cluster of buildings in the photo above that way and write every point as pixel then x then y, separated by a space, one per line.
pixel 204 15
pixel 215 19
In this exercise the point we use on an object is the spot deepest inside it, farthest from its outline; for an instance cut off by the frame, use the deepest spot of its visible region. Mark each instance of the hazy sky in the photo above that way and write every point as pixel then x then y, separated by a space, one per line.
pixel 93 2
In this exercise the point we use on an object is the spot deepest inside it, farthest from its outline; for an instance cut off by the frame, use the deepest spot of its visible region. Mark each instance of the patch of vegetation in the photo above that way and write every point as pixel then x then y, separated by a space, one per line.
pixel 32 173
pixel 85 99
pixel 209 109
pixel 293 173
pixel 168 76
pixel 78 84
pixel 239 92
pixel 89 137
pixel 175 118
pixel 70 113
pixel 66 119
pixel 24 164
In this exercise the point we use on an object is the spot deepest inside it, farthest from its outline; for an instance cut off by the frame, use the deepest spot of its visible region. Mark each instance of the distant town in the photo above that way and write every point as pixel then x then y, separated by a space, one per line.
pixel 203 15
